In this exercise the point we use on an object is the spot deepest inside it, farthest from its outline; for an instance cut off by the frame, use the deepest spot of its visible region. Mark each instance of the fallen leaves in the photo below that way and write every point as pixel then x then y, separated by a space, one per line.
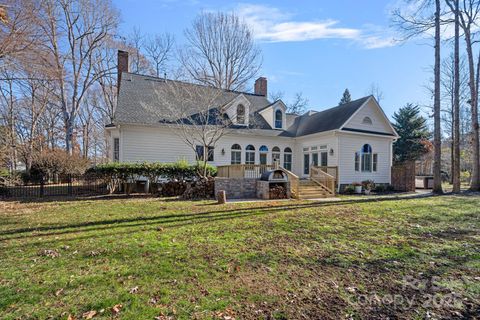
pixel 227 314
pixel 58 292
pixel 116 309
pixel 89 314
pixel 50 253
pixel 134 290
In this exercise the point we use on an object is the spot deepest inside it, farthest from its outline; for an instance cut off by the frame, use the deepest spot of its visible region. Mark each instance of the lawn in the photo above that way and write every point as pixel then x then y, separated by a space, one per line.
pixel 165 259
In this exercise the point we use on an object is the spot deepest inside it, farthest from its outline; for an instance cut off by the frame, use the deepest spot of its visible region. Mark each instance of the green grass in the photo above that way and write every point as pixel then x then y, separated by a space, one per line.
pixel 280 260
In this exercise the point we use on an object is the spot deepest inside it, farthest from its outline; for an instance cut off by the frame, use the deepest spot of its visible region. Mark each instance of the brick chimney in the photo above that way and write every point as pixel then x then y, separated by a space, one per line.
pixel 261 86
pixel 122 65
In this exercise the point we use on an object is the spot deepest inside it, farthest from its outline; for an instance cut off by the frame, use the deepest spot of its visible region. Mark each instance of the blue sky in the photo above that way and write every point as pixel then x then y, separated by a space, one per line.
pixel 318 48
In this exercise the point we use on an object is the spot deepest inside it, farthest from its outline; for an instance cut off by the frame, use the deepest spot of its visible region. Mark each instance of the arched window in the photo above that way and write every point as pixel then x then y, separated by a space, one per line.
pixel 367 120
pixel 278 119
pixel 287 158
pixel 240 114
pixel 276 155
pixel 250 154
pixel 263 154
pixel 236 154
pixel 367 158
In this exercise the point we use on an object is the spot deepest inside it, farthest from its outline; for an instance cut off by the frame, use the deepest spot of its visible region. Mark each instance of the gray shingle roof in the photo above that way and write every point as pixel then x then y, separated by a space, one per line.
pixel 139 100
pixel 139 103
pixel 325 120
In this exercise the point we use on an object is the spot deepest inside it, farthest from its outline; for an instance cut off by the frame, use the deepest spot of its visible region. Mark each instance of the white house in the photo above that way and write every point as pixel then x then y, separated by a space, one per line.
pixel 355 137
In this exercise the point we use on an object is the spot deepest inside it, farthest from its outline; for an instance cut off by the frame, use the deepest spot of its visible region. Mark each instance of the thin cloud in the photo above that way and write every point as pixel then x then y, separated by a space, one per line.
pixel 270 24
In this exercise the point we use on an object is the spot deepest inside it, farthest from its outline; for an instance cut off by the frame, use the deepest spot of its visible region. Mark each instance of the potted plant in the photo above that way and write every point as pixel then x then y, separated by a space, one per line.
pixel 368 185
pixel 358 187
pixel 349 189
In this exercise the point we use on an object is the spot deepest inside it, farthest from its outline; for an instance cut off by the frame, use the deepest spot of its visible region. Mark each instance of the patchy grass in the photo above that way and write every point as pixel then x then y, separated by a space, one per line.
pixel 148 258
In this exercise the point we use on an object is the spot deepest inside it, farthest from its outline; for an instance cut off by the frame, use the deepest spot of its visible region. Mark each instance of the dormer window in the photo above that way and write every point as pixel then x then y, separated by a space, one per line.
pixel 278 119
pixel 240 114
pixel 367 120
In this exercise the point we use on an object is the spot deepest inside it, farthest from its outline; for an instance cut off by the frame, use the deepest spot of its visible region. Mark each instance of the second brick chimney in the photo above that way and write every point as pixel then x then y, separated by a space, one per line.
pixel 261 86
pixel 122 65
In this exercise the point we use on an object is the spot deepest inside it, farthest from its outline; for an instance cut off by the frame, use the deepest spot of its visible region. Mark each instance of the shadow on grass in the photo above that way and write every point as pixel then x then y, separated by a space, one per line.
pixel 192 217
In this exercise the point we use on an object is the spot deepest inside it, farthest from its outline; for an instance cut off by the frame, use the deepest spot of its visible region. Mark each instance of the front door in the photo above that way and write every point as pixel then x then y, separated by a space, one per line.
pixel 306 164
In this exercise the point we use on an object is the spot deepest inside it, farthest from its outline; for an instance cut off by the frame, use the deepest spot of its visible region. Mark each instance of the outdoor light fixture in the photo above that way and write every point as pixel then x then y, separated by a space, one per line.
pixel 332 152
pixel 223 151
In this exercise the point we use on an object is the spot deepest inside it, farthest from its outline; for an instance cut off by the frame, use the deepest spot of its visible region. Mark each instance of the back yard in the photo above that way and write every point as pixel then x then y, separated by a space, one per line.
pixel 162 259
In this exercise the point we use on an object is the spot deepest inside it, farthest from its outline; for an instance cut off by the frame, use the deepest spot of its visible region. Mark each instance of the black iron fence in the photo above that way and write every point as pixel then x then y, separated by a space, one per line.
pixel 58 185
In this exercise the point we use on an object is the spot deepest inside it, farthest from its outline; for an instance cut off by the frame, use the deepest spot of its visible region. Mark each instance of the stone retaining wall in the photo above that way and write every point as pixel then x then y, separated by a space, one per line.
pixel 237 188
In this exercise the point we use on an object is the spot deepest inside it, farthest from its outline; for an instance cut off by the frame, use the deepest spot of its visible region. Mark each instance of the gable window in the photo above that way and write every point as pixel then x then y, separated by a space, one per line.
pixel 116 149
pixel 250 154
pixel 278 119
pixel 236 154
pixel 366 158
pixel 287 159
pixel 263 154
pixel 240 114
pixel 276 155
pixel 199 150
pixel 367 120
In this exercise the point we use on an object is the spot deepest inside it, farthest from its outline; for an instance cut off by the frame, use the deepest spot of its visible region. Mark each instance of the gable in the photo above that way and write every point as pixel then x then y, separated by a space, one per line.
pixel 268 113
pixel 370 117
pixel 231 109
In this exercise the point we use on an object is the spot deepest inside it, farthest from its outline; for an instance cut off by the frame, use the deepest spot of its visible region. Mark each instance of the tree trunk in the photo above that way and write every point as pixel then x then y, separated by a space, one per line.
pixel 456 106
pixel 475 182
pixel 437 174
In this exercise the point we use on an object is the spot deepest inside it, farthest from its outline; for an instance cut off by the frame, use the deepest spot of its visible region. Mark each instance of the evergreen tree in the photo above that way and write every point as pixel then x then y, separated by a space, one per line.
pixel 414 134
pixel 346 98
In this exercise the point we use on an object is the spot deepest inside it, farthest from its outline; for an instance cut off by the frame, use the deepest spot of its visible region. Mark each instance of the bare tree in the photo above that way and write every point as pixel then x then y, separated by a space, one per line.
pixel 296 106
pixel 414 23
pixel 448 105
pixel 18 29
pixel 36 93
pixel 76 29
pixel 437 134
pixel 10 116
pixel 220 51
pixel 158 50
pixel 135 46
pixel 195 115
pixel 375 91
pixel 456 104
pixel 468 13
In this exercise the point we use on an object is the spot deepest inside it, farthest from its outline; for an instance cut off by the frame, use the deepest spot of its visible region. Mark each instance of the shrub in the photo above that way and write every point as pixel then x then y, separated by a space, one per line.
pixel 380 188
pixel 117 173
pixel 51 162
pixel 368 184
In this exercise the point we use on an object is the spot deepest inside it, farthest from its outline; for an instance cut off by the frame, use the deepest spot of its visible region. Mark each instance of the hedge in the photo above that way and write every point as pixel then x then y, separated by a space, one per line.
pixel 116 173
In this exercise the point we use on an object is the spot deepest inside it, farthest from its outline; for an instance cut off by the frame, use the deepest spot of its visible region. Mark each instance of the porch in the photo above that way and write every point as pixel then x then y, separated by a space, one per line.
pixel 321 182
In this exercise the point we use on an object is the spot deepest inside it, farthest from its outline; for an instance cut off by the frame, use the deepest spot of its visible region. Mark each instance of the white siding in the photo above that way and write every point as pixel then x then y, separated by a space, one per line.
pixel 139 143
pixel 151 144
pixel 351 143
pixel 371 110
pixel 329 139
